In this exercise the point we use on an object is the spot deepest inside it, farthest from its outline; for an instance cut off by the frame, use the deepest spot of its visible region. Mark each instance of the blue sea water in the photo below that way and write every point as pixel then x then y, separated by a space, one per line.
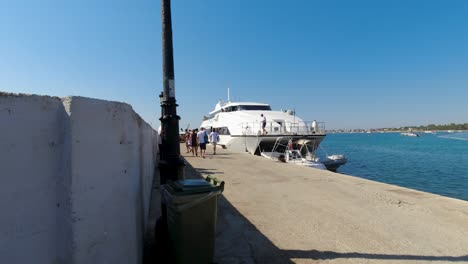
pixel 435 163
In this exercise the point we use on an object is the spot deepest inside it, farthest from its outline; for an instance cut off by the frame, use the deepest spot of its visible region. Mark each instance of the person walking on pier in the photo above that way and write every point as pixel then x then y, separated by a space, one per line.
pixel 214 136
pixel 202 139
pixel 193 138
pixel 188 141
pixel 263 124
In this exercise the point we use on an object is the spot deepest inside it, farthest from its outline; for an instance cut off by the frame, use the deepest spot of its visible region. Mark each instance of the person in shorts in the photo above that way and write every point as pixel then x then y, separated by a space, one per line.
pixel 194 144
pixel 202 139
pixel 188 140
pixel 214 138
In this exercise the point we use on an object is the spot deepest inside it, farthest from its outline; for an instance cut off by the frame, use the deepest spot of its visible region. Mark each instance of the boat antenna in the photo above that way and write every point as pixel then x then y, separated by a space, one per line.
pixel 294 115
pixel 229 99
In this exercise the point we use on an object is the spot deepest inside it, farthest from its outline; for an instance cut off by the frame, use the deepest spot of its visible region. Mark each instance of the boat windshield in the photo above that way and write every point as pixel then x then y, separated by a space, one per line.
pixel 254 107
pixel 234 108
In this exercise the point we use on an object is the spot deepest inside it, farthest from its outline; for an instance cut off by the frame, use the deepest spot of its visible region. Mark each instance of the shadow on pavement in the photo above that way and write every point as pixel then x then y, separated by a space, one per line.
pixel 323 255
pixel 209 171
pixel 238 240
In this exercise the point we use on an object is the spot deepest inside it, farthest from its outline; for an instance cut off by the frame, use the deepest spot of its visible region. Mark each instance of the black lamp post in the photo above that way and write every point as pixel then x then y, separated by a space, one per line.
pixel 171 165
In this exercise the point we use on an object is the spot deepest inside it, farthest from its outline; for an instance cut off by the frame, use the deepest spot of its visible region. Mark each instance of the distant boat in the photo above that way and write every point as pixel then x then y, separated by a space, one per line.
pixel 409 134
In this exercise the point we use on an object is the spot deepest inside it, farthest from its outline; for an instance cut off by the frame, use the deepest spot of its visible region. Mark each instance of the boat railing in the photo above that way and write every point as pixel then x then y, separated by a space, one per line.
pixel 286 128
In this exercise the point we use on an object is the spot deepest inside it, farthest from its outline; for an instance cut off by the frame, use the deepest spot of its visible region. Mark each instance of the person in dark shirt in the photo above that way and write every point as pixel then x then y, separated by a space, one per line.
pixel 194 142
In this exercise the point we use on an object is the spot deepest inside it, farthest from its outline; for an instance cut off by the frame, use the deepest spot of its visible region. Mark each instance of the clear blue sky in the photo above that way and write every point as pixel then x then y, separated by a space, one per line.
pixel 351 64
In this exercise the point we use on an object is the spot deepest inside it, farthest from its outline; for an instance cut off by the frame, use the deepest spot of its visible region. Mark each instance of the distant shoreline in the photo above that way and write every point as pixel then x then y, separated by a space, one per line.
pixel 332 131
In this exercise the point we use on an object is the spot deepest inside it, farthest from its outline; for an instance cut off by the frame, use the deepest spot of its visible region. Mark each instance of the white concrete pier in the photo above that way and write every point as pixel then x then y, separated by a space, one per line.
pixel 272 212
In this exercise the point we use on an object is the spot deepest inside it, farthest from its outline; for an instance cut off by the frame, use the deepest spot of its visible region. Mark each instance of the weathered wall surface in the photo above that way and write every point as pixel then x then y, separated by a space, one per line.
pixel 34 180
pixel 75 180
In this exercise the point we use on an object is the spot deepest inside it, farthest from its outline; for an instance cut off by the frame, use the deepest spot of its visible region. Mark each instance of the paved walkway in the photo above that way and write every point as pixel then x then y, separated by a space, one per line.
pixel 272 212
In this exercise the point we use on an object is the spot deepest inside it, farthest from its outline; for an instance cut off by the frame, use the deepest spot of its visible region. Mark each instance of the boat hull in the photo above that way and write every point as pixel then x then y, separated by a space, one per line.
pixel 265 143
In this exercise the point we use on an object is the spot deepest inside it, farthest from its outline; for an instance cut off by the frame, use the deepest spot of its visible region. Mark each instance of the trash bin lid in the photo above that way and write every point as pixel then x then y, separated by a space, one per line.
pixel 184 187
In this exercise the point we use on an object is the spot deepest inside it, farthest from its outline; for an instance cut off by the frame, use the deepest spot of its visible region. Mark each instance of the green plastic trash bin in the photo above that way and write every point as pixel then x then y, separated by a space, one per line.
pixel 191 219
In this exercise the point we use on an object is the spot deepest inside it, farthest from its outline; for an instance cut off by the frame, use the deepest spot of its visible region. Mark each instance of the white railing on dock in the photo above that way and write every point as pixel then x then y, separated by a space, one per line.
pixel 283 128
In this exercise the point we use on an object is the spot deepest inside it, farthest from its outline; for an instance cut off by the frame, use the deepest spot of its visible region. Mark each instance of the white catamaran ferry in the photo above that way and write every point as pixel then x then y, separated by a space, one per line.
pixel 240 127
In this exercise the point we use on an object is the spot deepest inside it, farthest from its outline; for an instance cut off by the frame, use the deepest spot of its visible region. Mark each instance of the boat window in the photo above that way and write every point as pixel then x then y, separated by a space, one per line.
pixel 208 117
pixel 233 108
pixel 223 131
pixel 254 107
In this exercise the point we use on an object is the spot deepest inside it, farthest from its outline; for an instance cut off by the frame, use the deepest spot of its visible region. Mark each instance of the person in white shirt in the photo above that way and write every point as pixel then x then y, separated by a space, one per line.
pixel 314 127
pixel 214 136
pixel 263 124
pixel 202 139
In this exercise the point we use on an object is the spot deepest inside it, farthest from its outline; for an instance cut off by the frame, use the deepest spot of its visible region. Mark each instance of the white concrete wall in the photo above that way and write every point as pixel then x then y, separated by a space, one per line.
pixel 75 180
pixel 33 180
